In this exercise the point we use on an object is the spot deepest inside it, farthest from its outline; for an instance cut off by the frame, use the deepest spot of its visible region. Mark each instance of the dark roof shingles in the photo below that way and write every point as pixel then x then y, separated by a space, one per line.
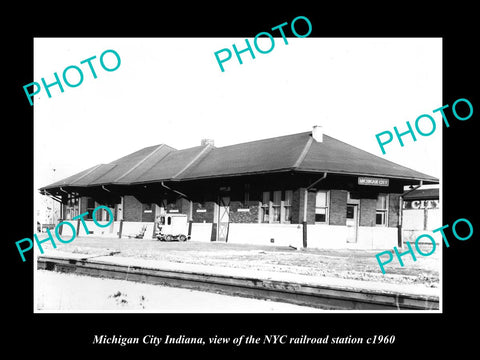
pixel 335 156
pixel 290 152
pixel 267 155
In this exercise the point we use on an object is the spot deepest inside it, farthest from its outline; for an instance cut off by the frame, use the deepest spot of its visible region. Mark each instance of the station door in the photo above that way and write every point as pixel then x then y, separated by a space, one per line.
pixel 223 218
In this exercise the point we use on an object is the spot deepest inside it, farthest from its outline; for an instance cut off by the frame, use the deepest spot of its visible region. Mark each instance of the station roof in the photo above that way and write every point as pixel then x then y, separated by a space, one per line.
pixel 297 152
pixel 423 194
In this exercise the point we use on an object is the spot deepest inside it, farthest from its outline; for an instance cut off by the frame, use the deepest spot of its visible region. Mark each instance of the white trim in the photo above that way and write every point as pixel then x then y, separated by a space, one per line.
pixel 327 208
pixel 387 204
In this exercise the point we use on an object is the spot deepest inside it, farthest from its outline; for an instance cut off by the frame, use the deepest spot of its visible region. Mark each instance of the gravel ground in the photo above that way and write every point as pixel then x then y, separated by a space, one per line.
pixel 59 292
pixel 343 263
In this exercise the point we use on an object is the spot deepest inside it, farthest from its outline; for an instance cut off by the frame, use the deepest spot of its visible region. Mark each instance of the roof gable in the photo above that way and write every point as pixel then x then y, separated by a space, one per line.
pixel 71 179
pixel 129 167
pixel 172 165
pixel 336 156
pixel 423 194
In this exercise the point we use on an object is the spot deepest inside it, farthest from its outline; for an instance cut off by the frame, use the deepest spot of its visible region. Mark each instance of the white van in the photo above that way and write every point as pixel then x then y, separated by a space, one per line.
pixel 170 227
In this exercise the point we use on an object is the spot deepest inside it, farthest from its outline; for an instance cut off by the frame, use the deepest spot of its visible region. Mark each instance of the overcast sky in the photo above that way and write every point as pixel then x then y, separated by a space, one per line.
pixel 171 90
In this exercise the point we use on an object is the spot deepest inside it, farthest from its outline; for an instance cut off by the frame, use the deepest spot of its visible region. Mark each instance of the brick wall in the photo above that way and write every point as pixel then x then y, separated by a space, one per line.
pixel 311 200
pixel 207 216
pixel 236 216
pixel 297 204
pixel 368 209
pixel 183 206
pixel 298 199
pixel 148 212
pixel 132 209
pixel 250 216
pixel 393 209
pixel 338 207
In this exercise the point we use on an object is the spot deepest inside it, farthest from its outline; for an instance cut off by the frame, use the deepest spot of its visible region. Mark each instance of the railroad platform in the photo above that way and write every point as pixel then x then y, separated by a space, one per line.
pixel 315 291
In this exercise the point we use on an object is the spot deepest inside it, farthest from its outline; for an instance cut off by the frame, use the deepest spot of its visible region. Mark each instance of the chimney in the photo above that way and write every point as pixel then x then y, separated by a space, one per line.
pixel 207 142
pixel 317 133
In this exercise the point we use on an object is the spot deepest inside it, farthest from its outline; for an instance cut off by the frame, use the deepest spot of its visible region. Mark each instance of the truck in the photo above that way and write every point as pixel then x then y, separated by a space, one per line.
pixel 172 227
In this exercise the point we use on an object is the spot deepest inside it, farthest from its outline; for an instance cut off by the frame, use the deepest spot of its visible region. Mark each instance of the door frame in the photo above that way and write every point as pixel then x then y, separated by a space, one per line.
pixel 356 204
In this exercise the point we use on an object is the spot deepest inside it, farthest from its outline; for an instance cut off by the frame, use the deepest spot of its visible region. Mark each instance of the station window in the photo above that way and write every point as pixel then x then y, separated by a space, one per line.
pixel 105 215
pixel 287 206
pixel 321 207
pixel 381 210
pixel 265 208
pixel 350 212
pixel 72 208
pixel 276 206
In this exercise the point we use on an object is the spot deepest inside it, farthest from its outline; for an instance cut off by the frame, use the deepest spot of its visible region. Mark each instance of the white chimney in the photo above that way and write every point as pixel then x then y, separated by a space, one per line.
pixel 204 142
pixel 317 133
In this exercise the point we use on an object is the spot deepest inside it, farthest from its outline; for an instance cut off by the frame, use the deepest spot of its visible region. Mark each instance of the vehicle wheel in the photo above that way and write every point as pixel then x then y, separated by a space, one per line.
pixel 169 238
pixel 182 238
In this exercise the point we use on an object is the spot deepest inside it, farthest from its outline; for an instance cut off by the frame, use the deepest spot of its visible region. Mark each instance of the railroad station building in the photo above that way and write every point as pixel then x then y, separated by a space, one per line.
pixel 306 189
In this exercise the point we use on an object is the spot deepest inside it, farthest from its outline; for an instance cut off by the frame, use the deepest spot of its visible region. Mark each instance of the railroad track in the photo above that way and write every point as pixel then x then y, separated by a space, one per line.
pixel 305 294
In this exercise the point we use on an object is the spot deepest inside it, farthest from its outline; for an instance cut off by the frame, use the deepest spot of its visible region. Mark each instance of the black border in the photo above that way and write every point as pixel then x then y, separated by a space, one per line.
pixel 415 333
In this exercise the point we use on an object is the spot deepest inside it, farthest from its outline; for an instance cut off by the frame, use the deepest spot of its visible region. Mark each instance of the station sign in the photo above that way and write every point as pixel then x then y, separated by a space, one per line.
pixel 371 181
pixel 421 204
